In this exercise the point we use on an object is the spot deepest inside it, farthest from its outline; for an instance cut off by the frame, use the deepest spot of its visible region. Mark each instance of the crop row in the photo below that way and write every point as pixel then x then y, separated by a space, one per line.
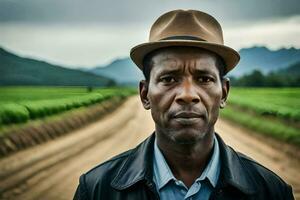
pixel 283 104
pixel 26 110
pixel 21 93
pixel 262 125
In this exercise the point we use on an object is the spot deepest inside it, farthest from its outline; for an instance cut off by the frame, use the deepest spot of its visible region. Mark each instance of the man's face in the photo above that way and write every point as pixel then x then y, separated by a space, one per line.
pixel 184 93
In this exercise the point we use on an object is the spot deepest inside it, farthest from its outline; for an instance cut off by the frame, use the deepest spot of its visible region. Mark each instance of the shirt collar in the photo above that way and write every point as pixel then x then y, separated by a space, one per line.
pixel 163 174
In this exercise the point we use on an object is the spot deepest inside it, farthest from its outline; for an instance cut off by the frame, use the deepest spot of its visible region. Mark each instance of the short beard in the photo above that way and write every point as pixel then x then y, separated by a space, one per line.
pixel 172 135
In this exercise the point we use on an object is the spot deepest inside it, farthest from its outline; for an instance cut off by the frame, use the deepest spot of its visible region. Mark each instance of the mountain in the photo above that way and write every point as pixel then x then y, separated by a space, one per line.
pixel 123 71
pixel 15 70
pixel 292 70
pixel 265 60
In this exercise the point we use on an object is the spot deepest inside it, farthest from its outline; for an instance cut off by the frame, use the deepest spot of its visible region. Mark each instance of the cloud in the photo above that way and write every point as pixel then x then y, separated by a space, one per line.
pixel 74 45
pixel 87 33
pixel 139 11
pixel 273 34
pixel 90 45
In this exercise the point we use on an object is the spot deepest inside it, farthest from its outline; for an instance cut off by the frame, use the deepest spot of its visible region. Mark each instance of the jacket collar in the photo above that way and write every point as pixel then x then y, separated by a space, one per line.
pixel 138 167
pixel 233 172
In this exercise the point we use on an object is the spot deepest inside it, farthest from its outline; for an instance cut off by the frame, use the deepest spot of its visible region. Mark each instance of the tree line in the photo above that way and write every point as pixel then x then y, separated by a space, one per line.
pixel 288 77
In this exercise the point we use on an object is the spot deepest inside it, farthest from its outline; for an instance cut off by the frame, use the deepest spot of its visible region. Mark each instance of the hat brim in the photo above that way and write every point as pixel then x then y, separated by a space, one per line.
pixel 229 55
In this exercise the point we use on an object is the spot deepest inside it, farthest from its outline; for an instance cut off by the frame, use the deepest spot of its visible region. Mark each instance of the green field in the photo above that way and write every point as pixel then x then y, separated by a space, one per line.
pixel 18 94
pixel 20 104
pixel 283 103
pixel 271 111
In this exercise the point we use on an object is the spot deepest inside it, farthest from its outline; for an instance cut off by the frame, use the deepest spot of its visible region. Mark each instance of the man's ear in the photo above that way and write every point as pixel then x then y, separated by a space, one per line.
pixel 225 91
pixel 144 94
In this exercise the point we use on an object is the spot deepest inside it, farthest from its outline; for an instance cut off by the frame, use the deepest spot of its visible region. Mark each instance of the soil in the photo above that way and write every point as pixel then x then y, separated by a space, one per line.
pixel 51 170
pixel 19 137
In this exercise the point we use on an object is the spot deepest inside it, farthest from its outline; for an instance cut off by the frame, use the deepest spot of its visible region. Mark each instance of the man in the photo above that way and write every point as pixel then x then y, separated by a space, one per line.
pixel 184 64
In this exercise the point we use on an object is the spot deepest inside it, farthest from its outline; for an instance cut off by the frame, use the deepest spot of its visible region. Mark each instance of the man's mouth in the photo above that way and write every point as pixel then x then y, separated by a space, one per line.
pixel 188 118
pixel 187 115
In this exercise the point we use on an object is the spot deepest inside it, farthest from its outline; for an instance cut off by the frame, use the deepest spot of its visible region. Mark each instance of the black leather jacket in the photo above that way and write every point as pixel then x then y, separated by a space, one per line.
pixel 129 176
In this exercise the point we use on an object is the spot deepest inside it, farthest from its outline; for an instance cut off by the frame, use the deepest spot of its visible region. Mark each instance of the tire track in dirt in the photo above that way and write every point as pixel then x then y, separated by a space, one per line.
pixel 127 126
pixel 132 133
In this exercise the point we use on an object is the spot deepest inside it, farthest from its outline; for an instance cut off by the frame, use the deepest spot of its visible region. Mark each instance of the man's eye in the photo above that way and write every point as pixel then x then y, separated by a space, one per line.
pixel 168 79
pixel 205 79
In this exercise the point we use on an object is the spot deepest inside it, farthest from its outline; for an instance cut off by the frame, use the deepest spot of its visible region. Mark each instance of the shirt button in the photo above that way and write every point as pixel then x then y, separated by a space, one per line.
pixel 220 192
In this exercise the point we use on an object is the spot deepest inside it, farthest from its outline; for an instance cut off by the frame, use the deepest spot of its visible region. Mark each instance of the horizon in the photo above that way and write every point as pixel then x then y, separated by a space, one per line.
pixel 118 58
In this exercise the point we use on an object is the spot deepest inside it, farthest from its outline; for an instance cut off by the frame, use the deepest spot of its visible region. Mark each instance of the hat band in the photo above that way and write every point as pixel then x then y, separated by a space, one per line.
pixel 183 37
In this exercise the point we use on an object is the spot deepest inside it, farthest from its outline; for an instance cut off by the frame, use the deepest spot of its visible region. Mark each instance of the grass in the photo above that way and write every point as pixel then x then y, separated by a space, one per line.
pixel 18 94
pixel 283 103
pixel 263 125
pixel 270 111
pixel 20 104
pixel 8 129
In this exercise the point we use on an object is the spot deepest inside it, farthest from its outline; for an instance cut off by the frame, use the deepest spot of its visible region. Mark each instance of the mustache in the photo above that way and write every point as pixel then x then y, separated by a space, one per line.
pixel 188 112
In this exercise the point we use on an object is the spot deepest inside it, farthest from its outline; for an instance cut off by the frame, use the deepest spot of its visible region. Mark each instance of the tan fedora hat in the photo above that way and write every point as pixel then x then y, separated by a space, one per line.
pixel 186 28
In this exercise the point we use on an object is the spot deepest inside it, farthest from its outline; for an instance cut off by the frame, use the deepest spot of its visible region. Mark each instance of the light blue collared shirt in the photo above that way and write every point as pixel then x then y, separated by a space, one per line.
pixel 168 187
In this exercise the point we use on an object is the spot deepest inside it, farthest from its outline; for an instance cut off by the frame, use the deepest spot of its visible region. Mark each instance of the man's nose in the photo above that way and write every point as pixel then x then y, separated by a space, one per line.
pixel 187 93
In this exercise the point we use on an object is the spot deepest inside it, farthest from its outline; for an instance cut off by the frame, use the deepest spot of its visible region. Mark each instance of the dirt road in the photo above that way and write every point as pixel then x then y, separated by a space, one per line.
pixel 51 171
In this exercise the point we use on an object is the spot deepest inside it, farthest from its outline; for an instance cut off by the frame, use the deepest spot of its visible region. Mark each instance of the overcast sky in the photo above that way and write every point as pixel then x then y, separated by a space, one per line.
pixel 80 33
